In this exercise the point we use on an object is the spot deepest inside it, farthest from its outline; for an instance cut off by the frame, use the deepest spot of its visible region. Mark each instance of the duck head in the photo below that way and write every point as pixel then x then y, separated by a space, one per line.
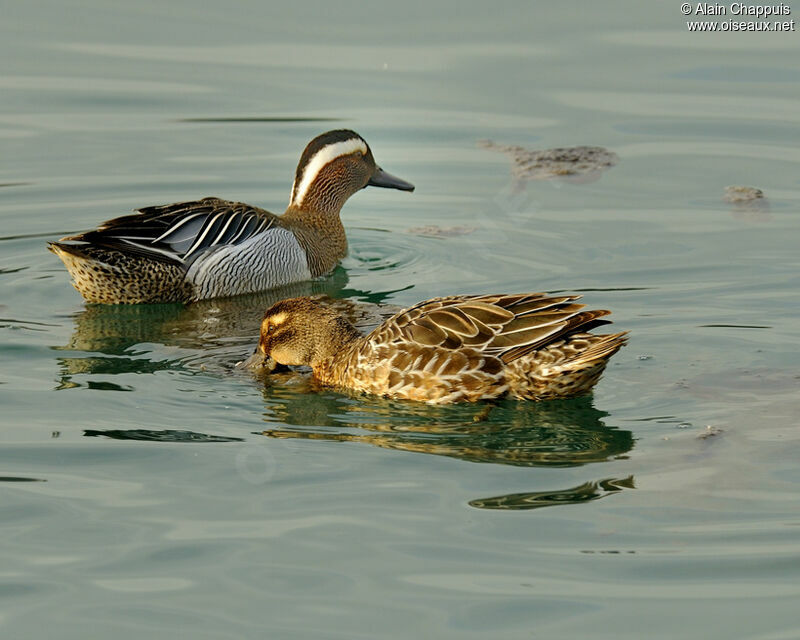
pixel 300 331
pixel 333 167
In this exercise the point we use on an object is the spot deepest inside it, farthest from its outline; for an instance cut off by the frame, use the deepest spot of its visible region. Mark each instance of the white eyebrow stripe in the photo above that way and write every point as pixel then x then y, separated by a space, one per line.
pixel 327 154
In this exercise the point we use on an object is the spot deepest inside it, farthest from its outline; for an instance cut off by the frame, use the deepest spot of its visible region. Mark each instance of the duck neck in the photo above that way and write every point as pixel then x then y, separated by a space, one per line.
pixel 320 234
pixel 330 361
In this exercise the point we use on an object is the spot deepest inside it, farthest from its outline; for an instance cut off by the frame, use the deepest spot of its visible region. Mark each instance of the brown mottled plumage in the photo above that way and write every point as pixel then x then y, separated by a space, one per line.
pixel 211 247
pixel 460 348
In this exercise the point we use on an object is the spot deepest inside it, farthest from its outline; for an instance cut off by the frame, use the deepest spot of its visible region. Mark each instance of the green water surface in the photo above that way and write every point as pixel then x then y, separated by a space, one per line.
pixel 148 488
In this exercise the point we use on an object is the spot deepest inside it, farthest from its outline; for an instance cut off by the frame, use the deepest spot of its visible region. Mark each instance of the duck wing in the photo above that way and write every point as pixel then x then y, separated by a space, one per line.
pixel 180 231
pixel 505 326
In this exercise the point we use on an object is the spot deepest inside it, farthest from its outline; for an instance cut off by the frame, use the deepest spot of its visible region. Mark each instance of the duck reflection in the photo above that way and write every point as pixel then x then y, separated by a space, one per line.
pixel 586 492
pixel 163 435
pixel 554 433
pixel 206 335
pixel 114 329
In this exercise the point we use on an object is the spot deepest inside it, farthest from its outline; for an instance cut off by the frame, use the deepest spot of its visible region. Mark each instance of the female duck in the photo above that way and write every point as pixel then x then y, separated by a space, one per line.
pixel 461 348
pixel 211 247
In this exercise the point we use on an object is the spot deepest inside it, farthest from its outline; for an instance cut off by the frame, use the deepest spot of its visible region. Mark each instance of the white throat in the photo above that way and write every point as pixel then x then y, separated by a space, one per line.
pixel 319 160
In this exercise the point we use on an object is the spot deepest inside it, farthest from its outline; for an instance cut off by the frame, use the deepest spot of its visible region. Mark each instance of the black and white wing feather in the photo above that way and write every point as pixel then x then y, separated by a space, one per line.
pixel 182 231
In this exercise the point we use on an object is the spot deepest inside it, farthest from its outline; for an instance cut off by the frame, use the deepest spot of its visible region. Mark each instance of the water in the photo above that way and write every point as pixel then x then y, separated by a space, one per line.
pixel 151 488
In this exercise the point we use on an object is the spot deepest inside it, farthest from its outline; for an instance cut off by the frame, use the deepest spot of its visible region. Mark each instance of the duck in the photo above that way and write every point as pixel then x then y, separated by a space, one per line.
pixel 210 248
pixel 461 348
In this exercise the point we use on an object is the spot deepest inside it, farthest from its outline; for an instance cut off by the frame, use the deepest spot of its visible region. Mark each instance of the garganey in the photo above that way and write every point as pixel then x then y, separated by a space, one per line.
pixel 212 247
pixel 461 348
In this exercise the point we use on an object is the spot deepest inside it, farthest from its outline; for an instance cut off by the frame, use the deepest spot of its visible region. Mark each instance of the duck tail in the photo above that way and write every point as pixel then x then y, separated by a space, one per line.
pixel 570 367
pixel 107 276
pixel 602 347
pixel 67 252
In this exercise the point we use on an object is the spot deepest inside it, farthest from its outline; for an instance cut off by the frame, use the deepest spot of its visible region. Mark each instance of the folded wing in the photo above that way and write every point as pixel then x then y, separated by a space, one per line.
pixel 181 231
pixel 505 326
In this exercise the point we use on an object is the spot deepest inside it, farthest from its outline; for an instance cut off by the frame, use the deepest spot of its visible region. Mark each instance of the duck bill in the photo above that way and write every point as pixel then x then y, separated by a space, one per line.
pixel 259 362
pixel 383 179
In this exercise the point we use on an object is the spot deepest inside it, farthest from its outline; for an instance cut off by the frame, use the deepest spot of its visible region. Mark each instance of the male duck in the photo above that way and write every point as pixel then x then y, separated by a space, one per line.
pixel 211 247
pixel 460 348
